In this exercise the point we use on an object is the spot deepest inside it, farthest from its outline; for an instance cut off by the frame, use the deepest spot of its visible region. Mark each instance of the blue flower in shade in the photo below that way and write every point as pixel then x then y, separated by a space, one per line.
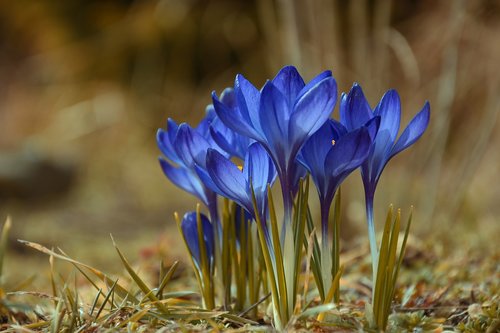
pixel 184 147
pixel 330 155
pixel 228 180
pixel 355 112
pixel 281 116
pixel 233 143
pixel 189 227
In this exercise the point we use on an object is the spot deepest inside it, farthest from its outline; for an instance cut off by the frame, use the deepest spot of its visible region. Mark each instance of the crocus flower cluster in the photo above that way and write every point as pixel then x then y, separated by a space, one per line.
pixel 250 137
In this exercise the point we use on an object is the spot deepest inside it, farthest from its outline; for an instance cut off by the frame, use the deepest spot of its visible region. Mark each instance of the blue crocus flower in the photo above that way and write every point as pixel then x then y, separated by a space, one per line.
pixel 233 182
pixel 184 147
pixel 189 227
pixel 330 155
pixel 281 116
pixel 173 165
pixel 354 113
pixel 235 144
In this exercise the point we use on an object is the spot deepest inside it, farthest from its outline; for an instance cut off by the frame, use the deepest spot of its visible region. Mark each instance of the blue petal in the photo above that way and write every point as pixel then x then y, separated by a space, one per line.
pixel 234 144
pixel 228 178
pixel 203 126
pixel 189 226
pixel 354 108
pixel 314 82
pixel 185 179
pixel 166 146
pixel 228 98
pixel 207 180
pixel 190 146
pixel 233 119
pixel 248 100
pixel 348 153
pixel 313 153
pixel 372 126
pixel 259 168
pixel 223 136
pixel 289 82
pixel 413 131
pixel 389 110
pixel 337 128
pixel 274 115
pixel 172 129
pixel 312 110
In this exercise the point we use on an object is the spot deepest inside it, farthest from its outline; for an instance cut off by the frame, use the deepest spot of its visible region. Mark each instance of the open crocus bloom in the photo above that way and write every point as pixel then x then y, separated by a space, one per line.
pixel 281 117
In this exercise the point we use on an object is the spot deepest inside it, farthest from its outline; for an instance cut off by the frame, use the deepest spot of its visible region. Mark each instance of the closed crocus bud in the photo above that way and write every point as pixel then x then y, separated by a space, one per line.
pixel 355 112
pixel 189 227
pixel 330 155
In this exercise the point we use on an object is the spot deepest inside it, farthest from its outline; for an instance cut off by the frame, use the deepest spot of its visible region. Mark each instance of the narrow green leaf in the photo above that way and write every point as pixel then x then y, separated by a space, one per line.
pixel 103 277
pixel 106 298
pixel 4 239
pixel 336 242
pixel 134 318
pixel 403 247
pixel 252 289
pixel 317 309
pixel 401 256
pixel 301 212
pixel 278 256
pixel 381 265
pixel 94 303
pixel 228 243
pixel 393 244
pixel 178 294
pixel 166 279
pixel 144 288
pixel 239 320
pixel 207 276
pixel 267 259
pixel 331 292
pixel 316 257
pixel 57 318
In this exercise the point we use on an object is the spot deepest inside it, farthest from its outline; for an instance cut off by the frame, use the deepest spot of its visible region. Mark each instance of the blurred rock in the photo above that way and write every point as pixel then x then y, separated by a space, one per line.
pixel 30 176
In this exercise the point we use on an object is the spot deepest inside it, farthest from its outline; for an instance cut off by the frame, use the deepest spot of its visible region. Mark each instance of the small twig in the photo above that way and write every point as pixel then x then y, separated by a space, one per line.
pixel 254 305
pixel 439 307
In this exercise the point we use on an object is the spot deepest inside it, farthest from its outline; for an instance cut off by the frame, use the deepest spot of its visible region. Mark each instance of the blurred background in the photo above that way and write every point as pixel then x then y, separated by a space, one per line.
pixel 85 84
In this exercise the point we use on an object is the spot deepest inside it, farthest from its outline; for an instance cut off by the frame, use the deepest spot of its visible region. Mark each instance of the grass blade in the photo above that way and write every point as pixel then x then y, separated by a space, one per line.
pixel 144 288
pixel 4 239
pixel 166 279
pixel 103 277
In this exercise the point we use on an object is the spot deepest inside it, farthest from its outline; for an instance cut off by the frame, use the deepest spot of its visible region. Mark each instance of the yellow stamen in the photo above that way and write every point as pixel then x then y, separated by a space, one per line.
pixel 333 142
pixel 240 167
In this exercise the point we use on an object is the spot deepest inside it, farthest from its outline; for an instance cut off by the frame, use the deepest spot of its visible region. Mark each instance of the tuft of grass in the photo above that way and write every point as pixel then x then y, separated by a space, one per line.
pixel 127 303
pixel 389 263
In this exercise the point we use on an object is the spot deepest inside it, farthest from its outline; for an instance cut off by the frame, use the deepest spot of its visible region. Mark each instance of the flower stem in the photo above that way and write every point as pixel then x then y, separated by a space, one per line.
pixel 287 206
pixel 325 212
pixel 372 236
